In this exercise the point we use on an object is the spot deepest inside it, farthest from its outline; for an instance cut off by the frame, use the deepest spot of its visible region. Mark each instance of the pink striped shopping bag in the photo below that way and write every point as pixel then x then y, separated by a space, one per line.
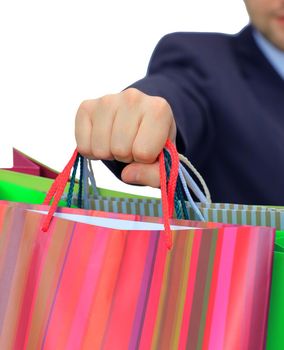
pixel 96 280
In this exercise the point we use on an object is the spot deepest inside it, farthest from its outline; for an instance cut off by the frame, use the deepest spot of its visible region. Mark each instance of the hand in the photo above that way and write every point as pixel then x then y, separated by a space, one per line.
pixel 131 127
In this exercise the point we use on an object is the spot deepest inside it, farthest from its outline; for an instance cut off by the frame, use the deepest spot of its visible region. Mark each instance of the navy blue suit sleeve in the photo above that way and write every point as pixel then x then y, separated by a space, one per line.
pixel 175 73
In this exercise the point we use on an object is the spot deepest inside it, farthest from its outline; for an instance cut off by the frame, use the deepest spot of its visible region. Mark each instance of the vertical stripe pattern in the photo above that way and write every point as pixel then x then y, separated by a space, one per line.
pixel 84 287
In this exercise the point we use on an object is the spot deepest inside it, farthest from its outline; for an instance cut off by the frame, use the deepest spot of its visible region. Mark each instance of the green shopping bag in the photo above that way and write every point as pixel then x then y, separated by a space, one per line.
pixel 24 188
pixel 31 189
pixel 275 334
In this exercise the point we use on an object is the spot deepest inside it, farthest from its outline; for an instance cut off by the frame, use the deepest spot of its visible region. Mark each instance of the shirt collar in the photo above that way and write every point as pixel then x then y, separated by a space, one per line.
pixel 272 53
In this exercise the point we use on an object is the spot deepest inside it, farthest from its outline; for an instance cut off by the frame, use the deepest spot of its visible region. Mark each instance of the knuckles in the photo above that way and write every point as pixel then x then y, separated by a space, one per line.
pixel 143 155
pixel 91 107
pixel 131 96
pixel 163 112
pixel 156 107
pixel 129 99
pixel 84 150
pixel 86 106
pixel 105 102
pixel 98 153
pixel 121 153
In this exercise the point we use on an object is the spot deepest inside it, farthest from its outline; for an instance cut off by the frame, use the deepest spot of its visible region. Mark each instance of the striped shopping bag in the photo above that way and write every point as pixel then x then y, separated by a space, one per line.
pixel 84 279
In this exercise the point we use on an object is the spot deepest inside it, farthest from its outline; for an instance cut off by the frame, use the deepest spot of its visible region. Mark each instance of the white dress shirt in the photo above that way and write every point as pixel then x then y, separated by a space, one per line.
pixel 272 53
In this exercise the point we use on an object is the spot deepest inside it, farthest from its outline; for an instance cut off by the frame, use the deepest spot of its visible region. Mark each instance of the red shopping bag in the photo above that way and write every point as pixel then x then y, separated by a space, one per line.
pixel 96 280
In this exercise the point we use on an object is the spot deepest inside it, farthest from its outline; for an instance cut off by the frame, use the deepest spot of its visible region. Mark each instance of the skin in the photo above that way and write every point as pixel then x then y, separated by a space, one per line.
pixel 133 127
pixel 130 127
pixel 268 17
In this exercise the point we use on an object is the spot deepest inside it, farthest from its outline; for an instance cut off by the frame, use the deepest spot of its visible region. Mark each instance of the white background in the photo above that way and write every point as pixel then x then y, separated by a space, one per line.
pixel 56 53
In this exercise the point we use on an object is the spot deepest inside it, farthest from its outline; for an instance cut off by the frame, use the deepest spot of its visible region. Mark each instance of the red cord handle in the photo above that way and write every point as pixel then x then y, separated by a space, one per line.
pixel 56 190
pixel 167 194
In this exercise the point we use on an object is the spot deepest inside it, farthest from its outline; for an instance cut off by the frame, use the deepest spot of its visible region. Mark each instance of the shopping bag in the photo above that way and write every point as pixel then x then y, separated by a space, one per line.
pixel 82 285
pixel 224 213
pixel 23 163
pixel 32 189
pixel 21 187
pixel 274 217
pixel 275 337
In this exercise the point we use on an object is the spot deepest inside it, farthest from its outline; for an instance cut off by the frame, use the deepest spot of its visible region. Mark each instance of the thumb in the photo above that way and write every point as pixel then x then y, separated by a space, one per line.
pixel 142 174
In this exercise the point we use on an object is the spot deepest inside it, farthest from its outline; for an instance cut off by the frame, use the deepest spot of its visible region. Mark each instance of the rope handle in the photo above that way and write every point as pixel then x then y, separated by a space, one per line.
pixel 167 190
pixel 191 183
pixel 56 190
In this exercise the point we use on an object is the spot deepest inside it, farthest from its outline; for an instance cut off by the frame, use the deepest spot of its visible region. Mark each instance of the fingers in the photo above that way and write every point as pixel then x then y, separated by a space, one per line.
pixel 83 129
pixel 102 117
pixel 156 127
pixel 126 124
pixel 105 128
pixel 93 126
pixel 130 127
pixel 142 174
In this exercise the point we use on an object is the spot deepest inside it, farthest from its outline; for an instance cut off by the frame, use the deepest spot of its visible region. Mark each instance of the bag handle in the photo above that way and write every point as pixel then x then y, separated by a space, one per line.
pixel 56 190
pixel 192 184
pixel 167 190
pixel 185 180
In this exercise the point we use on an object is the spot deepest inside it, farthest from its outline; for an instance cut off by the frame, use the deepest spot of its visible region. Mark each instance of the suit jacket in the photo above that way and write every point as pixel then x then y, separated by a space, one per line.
pixel 228 103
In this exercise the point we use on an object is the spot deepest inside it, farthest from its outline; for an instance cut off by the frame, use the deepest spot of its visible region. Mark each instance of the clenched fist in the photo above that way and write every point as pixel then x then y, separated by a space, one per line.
pixel 130 127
